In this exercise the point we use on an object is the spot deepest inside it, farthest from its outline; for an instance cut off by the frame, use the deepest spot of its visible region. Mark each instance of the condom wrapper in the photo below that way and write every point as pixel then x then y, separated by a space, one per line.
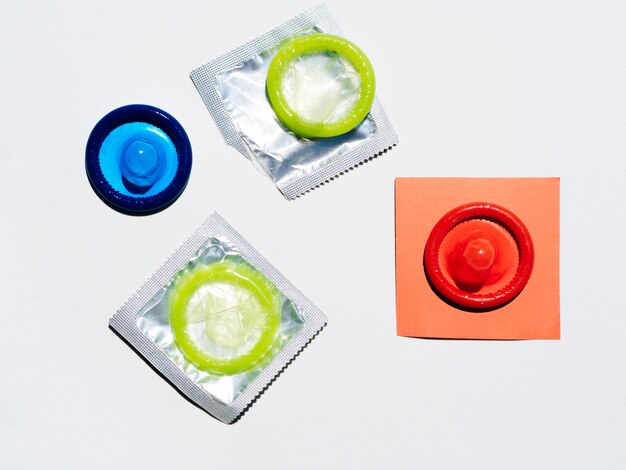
pixel 249 96
pixel 218 321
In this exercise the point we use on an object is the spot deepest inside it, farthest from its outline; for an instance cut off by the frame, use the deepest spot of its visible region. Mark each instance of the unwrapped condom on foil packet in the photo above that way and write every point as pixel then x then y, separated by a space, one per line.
pixel 299 102
pixel 218 321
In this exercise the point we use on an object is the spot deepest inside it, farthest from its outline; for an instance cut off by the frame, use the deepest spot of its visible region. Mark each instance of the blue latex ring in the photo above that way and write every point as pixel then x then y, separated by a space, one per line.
pixel 158 118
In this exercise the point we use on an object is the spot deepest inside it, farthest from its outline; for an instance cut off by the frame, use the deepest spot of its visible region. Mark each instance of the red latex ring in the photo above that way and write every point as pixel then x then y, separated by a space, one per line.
pixel 492 213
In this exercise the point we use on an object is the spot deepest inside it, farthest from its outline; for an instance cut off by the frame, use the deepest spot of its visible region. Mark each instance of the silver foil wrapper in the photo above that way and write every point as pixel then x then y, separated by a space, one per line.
pixel 233 90
pixel 144 322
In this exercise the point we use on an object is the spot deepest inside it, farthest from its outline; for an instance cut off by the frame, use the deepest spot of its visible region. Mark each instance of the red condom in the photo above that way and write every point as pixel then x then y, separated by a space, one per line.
pixel 479 255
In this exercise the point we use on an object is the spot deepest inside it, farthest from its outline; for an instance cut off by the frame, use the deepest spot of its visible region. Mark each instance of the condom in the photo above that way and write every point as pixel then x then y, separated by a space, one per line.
pixel 479 256
pixel 138 159
pixel 320 85
pixel 225 316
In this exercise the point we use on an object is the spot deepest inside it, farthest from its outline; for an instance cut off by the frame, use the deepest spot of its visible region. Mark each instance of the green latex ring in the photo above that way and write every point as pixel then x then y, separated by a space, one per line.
pixel 312 43
pixel 240 276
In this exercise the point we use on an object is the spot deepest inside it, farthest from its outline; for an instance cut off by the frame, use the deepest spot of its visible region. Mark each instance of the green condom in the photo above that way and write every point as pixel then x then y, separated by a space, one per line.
pixel 225 316
pixel 320 85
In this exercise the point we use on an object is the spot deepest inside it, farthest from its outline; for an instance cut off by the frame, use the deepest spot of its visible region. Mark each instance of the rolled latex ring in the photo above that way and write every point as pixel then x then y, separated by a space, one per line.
pixel 313 43
pixel 132 172
pixel 243 277
pixel 489 212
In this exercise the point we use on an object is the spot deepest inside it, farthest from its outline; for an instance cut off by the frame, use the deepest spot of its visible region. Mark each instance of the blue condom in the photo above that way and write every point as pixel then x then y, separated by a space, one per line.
pixel 138 159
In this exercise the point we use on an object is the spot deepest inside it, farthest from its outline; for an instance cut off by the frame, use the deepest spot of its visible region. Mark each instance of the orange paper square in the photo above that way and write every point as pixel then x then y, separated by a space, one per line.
pixel 533 314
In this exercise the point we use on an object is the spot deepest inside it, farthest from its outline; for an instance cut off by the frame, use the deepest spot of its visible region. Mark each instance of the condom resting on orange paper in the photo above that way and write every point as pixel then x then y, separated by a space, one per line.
pixel 479 255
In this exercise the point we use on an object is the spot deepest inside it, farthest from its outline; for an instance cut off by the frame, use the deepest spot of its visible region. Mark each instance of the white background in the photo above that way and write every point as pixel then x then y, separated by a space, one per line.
pixel 474 88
